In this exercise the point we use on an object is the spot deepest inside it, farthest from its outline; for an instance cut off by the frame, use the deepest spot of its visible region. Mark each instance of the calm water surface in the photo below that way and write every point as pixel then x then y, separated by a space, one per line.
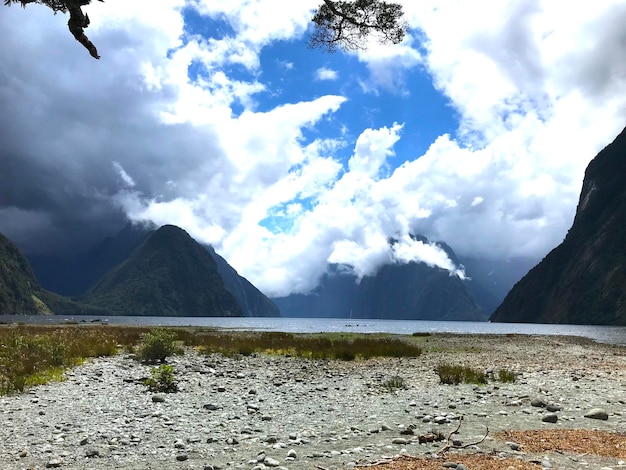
pixel 603 334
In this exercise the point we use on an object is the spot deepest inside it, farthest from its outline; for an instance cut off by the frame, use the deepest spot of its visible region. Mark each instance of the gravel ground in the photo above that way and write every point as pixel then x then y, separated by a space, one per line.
pixel 262 411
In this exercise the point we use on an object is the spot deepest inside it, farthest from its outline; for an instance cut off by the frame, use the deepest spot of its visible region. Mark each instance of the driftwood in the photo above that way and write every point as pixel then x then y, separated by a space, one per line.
pixel 449 444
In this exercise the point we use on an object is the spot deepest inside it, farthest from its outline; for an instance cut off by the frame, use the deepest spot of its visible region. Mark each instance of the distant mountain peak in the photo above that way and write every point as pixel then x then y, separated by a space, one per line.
pixel 169 274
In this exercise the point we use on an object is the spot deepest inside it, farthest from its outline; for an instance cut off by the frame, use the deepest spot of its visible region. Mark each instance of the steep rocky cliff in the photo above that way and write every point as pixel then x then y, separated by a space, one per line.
pixel 583 280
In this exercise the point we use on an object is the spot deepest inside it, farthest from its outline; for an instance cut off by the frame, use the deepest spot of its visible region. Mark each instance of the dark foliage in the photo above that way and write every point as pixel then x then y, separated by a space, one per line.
pixel 338 24
pixel 20 293
pixel 347 24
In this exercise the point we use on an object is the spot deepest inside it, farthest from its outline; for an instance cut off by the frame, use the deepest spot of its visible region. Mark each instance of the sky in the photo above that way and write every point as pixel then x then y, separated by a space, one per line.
pixel 215 116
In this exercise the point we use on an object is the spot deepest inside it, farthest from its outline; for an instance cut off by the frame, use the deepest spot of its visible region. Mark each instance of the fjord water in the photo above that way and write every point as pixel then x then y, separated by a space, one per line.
pixel 602 334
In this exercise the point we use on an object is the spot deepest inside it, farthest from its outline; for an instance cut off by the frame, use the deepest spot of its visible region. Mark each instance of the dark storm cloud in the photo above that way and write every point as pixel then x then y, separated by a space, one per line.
pixel 65 119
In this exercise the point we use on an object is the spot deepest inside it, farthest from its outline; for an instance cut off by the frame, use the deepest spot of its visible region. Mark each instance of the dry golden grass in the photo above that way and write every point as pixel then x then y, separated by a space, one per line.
pixel 574 441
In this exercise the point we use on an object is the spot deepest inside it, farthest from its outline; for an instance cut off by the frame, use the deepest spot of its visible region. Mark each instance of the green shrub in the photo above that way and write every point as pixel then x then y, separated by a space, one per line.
pixel 505 375
pixel 157 345
pixel 162 380
pixel 454 375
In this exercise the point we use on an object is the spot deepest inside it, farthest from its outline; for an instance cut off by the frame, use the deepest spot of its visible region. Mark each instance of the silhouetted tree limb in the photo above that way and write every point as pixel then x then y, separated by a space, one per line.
pixel 346 24
pixel 338 24
pixel 78 20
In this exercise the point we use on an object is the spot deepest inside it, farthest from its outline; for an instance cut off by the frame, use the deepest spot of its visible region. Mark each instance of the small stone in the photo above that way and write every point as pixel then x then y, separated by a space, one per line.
pixel 513 445
pixel 92 452
pixel 182 457
pixel 399 441
pixel 461 467
pixel 552 407
pixel 292 454
pixel 450 465
pixel 597 413
pixel 211 407
pixel 158 398
pixel 538 403
pixel 550 418
pixel 440 420
pixel 54 462
pixel 270 462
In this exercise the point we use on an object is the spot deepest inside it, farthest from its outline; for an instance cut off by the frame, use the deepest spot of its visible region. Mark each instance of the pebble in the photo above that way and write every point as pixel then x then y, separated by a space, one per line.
pixel 327 413
pixel 158 398
pixel 550 418
pixel 597 413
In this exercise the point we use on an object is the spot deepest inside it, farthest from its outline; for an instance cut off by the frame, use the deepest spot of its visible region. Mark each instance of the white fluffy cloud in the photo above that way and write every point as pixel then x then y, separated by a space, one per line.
pixel 539 88
pixel 326 74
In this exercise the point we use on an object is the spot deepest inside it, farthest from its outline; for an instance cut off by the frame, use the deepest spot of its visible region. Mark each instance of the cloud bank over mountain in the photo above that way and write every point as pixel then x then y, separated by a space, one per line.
pixel 214 116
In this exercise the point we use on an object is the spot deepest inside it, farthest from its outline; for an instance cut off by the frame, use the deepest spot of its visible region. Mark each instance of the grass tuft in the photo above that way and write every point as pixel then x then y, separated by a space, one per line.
pixel 453 375
pixel 506 376
pixel 395 383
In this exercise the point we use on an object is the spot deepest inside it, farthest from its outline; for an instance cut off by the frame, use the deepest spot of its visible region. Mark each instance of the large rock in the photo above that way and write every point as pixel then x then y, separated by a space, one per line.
pixel 597 413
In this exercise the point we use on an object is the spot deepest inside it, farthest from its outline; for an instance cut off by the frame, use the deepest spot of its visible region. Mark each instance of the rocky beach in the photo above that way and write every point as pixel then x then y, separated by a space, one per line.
pixel 262 411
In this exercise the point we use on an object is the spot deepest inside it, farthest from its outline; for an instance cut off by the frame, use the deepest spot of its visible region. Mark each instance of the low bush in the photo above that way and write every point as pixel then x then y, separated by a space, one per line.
pixel 162 380
pixel 157 345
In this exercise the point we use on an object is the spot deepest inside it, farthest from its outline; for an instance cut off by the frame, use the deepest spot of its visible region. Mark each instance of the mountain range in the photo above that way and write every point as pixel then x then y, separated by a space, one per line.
pixel 162 272
pixel 145 271
pixel 166 272
pixel 407 291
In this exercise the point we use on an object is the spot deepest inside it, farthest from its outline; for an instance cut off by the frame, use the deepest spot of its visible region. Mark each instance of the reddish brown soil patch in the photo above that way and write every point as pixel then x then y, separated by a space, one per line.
pixel 478 461
pixel 575 441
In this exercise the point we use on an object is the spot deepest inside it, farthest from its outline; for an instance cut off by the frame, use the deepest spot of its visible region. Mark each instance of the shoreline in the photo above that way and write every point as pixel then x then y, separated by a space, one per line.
pixel 615 335
pixel 301 413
